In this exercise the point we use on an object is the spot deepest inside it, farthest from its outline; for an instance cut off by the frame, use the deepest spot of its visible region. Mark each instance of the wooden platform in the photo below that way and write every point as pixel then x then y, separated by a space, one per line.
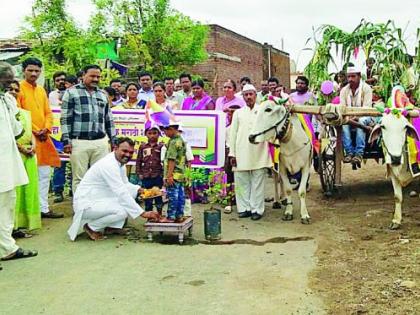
pixel 170 228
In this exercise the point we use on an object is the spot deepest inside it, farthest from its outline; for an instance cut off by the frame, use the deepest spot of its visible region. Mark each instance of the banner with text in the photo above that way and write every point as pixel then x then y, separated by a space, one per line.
pixel 204 131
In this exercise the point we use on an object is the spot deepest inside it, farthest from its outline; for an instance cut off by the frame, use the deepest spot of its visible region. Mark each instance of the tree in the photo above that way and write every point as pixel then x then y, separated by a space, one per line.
pixel 56 39
pixel 153 36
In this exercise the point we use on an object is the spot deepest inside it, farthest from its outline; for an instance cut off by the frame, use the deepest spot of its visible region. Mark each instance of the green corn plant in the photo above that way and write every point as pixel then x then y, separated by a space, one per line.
pixel 382 41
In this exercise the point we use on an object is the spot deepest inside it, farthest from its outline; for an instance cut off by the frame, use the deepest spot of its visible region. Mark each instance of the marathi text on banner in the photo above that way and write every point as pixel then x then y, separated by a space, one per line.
pixel 203 130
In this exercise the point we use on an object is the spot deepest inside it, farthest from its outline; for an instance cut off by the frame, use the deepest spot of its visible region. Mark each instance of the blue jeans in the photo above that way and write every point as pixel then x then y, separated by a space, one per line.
pixel 59 178
pixel 149 183
pixel 349 148
pixel 176 198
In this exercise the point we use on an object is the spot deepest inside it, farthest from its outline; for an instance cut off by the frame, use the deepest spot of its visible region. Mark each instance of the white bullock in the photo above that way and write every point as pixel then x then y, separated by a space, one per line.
pixel 394 129
pixel 275 121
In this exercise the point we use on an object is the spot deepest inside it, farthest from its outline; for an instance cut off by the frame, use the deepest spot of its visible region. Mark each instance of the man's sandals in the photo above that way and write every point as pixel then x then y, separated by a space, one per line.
pixel 20 253
pixel 94 236
pixel 21 234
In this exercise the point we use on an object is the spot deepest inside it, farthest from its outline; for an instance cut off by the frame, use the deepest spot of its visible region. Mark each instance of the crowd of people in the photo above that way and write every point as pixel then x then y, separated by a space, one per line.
pixel 104 190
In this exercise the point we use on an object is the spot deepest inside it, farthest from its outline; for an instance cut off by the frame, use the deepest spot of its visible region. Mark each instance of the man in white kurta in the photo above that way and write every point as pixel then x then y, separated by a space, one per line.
pixel 13 172
pixel 105 197
pixel 249 161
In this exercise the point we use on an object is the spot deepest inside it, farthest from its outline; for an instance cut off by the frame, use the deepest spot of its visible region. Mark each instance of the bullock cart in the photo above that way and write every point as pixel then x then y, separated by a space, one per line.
pixel 330 156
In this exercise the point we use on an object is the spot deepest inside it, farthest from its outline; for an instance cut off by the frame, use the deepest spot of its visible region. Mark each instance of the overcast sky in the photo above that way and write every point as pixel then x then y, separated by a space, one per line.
pixel 264 20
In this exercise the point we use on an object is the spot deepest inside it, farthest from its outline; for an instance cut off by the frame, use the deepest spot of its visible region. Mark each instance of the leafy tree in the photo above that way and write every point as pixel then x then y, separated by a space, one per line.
pixel 153 36
pixel 56 39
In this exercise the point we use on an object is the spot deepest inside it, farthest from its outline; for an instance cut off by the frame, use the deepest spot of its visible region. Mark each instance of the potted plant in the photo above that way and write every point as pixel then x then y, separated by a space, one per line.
pixel 218 193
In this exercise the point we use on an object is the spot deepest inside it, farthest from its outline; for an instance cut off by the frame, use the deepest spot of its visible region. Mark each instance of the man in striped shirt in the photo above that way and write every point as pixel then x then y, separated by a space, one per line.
pixel 86 123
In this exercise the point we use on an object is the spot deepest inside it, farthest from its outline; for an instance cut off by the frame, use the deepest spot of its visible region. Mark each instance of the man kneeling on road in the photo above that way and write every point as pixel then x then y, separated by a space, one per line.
pixel 105 198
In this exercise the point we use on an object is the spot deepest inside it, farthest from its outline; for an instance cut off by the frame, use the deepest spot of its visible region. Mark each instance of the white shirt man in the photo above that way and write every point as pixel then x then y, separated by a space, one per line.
pixel 355 94
pixel 13 172
pixel 146 89
pixel 249 161
pixel 175 98
pixel 105 197
pixel 55 96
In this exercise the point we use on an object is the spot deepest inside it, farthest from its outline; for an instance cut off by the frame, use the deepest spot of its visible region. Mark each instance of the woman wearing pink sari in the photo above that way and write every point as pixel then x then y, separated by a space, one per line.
pixel 199 100
pixel 225 103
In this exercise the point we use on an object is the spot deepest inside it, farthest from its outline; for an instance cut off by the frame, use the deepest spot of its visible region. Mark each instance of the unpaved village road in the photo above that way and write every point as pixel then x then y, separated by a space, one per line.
pixel 345 262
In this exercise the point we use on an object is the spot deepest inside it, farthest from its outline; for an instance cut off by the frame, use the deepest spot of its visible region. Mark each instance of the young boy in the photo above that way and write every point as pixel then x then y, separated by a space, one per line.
pixel 174 169
pixel 149 167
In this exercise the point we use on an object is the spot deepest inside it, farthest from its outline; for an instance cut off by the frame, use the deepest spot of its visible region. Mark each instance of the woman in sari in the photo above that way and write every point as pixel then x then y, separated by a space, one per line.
pixel 159 111
pixel 28 211
pixel 199 100
pixel 132 91
pixel 160 97
pixel 229 99
pixel 132 102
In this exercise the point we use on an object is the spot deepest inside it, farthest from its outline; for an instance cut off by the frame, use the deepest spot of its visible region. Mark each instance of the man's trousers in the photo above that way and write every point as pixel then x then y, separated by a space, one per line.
pixel 105 213
pixel 84 154
pixel 44 177
pixel 249 190
pixel 7 222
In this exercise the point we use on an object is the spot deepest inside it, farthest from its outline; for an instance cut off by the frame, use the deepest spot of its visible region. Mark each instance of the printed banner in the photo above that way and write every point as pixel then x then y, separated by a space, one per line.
pixel 204 131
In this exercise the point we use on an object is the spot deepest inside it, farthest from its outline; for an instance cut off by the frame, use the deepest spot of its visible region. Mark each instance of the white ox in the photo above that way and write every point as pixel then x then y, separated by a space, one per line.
pixel 394 130
pixel 276 122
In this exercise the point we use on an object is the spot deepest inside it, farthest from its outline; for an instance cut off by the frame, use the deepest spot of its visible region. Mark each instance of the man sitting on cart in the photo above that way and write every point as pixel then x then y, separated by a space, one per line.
pixel 355 94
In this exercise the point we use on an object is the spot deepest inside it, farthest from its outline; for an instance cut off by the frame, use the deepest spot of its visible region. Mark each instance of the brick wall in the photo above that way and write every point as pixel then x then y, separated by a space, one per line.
pixel 233 56
pixel 280 65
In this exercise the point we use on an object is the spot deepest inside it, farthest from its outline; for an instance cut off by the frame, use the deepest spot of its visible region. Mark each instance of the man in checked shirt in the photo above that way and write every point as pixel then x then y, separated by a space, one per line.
pixel 86 123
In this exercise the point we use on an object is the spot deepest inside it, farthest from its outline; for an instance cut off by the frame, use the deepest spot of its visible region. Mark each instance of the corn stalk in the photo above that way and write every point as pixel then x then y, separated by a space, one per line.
pixel 382 41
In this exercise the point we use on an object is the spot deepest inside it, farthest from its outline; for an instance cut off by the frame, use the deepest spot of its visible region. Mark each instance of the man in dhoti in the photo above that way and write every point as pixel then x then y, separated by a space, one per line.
pixel 105 198
pixel 13 172
pixel 249 161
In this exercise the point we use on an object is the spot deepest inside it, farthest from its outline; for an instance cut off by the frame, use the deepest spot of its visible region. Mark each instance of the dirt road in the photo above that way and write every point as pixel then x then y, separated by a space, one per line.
pixel 345 262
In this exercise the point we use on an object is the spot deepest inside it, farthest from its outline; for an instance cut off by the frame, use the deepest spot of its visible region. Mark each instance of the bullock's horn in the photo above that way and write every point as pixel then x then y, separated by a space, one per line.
pixel 252 138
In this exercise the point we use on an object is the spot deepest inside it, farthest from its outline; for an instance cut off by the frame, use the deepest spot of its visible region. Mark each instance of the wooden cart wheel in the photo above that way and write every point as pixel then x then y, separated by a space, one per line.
pixel 327 160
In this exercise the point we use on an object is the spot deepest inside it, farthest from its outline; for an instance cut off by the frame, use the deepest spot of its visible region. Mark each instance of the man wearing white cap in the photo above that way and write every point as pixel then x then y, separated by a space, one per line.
pixel 355 94
pixel 249 161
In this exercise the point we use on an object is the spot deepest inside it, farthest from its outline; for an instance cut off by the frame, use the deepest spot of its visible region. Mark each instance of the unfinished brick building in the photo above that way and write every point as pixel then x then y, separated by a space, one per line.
pixel 232 56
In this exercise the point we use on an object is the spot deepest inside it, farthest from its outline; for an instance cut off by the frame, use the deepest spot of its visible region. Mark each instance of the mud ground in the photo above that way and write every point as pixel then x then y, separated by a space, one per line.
pixel 345 262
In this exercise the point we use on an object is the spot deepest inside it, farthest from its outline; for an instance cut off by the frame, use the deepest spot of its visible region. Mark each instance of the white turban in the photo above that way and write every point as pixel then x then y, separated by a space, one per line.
pixel 249 87
pixel 353 70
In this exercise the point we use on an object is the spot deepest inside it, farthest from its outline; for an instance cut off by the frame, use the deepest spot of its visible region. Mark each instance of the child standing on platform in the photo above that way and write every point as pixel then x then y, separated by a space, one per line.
pixel 174 174
pixel 149 167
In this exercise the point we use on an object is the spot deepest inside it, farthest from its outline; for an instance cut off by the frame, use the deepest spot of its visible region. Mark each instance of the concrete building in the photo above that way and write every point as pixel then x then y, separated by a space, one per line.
pixel 232 56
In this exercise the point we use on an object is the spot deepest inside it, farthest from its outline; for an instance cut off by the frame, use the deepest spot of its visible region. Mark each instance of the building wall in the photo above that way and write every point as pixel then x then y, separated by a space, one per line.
pixel 232 56
pixel 280 65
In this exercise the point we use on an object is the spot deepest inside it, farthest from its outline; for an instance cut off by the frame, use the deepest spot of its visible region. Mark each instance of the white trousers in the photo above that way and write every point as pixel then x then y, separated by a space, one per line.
pixel 84 154
pixel 103 214
pixel 44 177
pixel 7 221
pixel 249 190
